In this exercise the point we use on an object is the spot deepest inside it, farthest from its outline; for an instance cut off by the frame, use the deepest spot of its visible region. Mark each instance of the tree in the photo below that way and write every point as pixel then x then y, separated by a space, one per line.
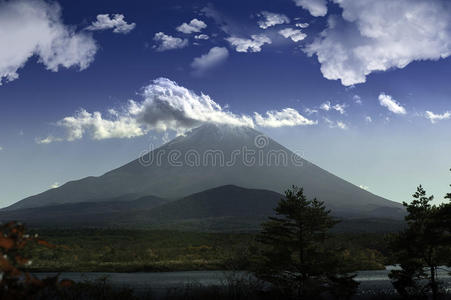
pixel 423 244
pixel 294 257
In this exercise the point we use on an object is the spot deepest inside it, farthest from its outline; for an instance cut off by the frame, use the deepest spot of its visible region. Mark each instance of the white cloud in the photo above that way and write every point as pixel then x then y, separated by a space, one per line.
pixel 167 106
pixel 391 104
pixel 47 140
pixel 317 8
pixel 364 187
pixel 302 25
pixel 337 124
pixel 55 185
pixel 368 119
pixel 338 107
pixel 434 118
pixel 342 125
pixel 270 19
pixel 295 35
pixel 325 106
pixel 357 99
pixel 378 35
pixel 167 42
pixel 213 58
pixel 1 148
pixel 194 25
pixel 201 37
pixel 310 111
pixel 115 22
pixel 285 117
pixel 35 28
pixel 253 44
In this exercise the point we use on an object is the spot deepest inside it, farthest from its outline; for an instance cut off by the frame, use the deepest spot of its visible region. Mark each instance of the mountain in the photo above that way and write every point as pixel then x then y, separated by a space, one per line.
pixel 211 156
pixel 226 208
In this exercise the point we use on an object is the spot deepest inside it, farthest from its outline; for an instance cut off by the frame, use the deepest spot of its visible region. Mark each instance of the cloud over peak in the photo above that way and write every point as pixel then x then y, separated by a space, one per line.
pixel 165 106
pixel 285 117
pixel 35 28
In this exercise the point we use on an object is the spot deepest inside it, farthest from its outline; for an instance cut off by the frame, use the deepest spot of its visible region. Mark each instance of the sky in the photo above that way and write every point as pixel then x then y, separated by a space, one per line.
pixel 361 88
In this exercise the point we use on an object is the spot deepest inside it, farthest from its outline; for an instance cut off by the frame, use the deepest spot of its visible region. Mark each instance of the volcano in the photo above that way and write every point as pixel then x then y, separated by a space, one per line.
pixel 208 157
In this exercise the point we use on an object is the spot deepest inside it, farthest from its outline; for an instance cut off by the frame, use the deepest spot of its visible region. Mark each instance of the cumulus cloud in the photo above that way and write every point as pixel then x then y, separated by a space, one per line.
pixel 115 22
pixel 434 118
pixel 167 42
pixel 35 28
pixel 270 19
pixel 201 37
pixel 295 35
pixel 166 106
pixel 194 25
pixel 214 57
pixel 357 99
pixel 391 104
pixel 253 44
pixel 317 8
pixel 368 119
pixel 378 35
pixel 285 117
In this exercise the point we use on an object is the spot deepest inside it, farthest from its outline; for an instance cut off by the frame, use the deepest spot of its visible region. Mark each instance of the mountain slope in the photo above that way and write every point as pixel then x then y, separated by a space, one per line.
pixel 206 158
pixel 223 209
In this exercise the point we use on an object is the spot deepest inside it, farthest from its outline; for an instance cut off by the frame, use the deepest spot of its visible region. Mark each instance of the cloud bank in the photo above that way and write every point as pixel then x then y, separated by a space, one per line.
pixel 286 117
pixel 35 28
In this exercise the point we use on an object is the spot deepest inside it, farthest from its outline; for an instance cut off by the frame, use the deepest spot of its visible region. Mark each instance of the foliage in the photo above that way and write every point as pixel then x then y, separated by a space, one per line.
pixel 294 256
pixel 420 249
pixel 14 283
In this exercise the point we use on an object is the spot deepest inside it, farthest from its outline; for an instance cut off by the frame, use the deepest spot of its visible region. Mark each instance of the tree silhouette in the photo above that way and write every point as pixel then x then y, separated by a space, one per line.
pixel 424 243
pixel 294 257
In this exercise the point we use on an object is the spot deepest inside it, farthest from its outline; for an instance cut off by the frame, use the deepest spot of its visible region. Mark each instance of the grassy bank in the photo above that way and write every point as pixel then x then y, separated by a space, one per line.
pixel 107 250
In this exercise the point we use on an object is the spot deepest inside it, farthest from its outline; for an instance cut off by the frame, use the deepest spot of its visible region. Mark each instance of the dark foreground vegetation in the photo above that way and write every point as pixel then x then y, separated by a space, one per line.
pixel 294 256
pixel 104 250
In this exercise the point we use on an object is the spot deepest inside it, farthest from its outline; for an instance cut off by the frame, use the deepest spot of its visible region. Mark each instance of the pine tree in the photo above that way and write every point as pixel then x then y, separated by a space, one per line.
pixel 420 249
pixel 294 257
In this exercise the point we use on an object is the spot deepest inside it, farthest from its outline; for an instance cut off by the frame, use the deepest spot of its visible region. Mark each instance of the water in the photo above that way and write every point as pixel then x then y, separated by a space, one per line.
pixel 163 281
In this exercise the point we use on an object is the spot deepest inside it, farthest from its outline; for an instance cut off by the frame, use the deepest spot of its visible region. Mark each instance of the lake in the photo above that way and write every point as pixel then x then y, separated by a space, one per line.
pixel 160 282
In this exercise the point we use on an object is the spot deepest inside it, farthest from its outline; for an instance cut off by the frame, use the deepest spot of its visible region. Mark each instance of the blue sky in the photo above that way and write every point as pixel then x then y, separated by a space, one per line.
pixel 360 87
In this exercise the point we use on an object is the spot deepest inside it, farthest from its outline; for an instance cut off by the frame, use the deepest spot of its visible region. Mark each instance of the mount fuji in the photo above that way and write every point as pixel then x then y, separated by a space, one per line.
pixel 209 157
